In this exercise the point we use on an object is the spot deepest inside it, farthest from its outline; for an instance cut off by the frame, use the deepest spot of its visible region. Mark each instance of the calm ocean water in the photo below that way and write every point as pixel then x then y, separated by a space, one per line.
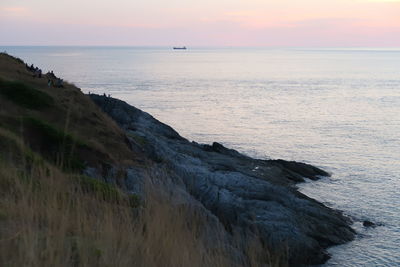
pixel 335 108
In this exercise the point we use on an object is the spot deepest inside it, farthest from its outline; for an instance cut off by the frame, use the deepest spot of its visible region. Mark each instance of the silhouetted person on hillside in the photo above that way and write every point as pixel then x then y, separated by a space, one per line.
pixel 51 74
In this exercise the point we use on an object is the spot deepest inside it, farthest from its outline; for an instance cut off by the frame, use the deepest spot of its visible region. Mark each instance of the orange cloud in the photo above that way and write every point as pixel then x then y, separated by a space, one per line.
pixel 14 11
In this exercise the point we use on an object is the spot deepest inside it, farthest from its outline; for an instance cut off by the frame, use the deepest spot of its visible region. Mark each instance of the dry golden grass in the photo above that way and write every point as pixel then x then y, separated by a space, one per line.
pixel 47 220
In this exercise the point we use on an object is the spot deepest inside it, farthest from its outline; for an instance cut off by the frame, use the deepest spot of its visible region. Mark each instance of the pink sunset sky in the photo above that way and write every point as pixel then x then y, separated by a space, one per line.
pixel 368 23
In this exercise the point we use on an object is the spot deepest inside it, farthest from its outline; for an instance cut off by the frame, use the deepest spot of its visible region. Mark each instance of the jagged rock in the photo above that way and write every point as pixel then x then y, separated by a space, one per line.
pixel 367 223
pixel 240 192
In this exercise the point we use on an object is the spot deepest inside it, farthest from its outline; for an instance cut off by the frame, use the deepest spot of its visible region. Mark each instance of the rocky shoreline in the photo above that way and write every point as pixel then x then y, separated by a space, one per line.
pixel 237 193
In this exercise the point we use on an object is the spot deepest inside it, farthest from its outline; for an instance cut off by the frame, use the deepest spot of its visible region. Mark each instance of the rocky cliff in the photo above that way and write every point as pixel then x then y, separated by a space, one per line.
pixel 244 195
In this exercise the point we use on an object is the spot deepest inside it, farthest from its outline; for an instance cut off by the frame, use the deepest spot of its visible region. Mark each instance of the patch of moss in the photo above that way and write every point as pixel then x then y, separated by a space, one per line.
pixel 24 95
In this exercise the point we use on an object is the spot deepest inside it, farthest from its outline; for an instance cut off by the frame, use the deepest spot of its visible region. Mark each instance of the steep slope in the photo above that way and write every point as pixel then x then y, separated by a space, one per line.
pixel 49 117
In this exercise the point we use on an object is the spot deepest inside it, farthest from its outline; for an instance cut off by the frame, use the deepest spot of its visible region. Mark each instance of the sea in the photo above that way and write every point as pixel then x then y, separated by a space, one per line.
pixel 336 108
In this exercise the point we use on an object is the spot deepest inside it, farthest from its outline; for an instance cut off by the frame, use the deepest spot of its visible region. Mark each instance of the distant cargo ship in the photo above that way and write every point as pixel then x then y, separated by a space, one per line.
pixel 180 48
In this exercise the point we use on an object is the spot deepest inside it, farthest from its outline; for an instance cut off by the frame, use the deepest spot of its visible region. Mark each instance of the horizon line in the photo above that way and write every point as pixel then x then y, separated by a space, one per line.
pixel 201 46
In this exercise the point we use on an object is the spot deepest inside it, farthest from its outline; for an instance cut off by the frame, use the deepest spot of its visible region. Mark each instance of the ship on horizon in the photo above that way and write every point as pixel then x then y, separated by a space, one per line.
pixel 179 48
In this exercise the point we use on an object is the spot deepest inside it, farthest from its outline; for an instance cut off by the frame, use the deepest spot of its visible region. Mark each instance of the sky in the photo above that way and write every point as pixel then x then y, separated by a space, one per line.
pixel 289 23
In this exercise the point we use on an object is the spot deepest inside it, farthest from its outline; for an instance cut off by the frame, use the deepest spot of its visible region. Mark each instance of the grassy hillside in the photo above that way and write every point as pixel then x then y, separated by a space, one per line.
pixel 62 124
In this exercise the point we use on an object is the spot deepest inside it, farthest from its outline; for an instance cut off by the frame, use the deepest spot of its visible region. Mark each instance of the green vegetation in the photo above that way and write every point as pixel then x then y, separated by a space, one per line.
pixel 51 133
pixel 57 145
pixel 24 95
pixel 10 144
pixel 49 142
pixel 106 191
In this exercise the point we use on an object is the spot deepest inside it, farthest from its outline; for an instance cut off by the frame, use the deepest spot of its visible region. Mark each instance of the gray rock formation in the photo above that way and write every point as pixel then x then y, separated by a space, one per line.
pixel 239 192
